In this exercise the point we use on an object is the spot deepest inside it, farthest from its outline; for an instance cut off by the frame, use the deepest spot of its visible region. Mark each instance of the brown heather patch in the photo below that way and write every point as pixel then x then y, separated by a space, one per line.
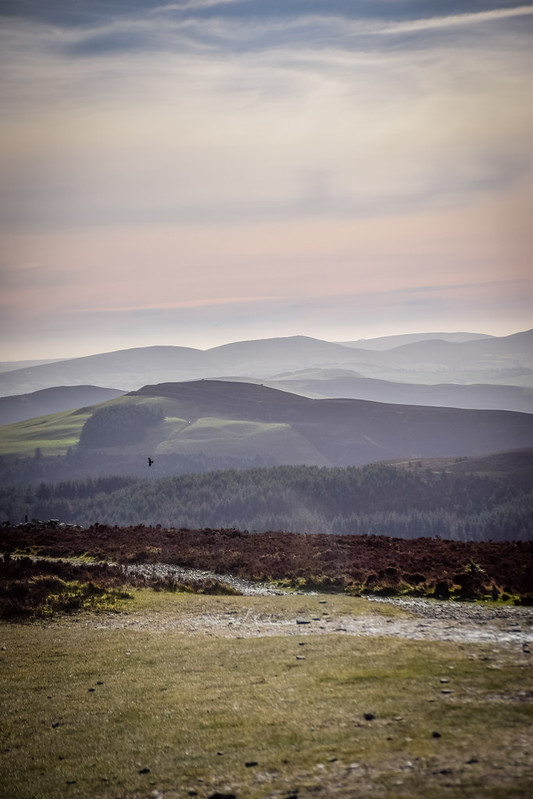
pixel 423 566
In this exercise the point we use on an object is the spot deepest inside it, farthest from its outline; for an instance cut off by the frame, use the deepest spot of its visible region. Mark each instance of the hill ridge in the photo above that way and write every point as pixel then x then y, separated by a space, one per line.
pixel 495 360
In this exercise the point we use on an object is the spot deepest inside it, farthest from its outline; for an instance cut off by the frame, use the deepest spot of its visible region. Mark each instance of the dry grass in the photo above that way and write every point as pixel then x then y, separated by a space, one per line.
pixel 87 710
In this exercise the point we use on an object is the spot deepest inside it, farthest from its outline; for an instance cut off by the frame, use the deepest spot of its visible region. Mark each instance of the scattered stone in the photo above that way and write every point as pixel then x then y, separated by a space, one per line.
pixel 333 759
pixel 4 648
pixel 91 690
pixel 300 657
pixel 302 643
pixel 302 621
pixel 144 770
pixel 219 754
pixel 251 763
pixel 445 691
pixel 472 760
pixel 56 724
pixel 436 734
pixel 340 629
pixel 70 782
pixel 444 679
pixel 322 602
pixel 369 717
pixel 100 682
pixel 156 795
pixel 192 792
pixel 218 795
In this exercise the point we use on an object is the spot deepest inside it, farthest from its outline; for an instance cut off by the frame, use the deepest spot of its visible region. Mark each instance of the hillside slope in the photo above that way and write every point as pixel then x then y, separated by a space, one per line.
pixel 352 432
pixel 52 400
pixel 211 424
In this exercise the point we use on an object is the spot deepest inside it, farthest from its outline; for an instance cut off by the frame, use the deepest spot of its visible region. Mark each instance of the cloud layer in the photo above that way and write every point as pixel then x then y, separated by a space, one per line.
pixel 229 154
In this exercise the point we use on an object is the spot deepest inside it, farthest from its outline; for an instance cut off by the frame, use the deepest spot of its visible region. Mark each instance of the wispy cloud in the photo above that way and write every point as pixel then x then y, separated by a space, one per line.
pixel 187 5
pixel 454 20
pixel 205 302
pixel 207 158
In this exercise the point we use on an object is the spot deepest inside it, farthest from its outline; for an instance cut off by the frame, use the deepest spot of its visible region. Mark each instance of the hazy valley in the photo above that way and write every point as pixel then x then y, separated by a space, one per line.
pixel 321 415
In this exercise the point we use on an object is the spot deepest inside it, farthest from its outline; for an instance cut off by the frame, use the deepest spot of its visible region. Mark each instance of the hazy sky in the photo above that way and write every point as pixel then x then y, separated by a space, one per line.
pixel 205 171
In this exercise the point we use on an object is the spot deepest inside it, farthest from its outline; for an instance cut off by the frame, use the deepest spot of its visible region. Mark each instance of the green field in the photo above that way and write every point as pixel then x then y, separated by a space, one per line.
pixel 55 433
pixel 52 434
pixel 130 706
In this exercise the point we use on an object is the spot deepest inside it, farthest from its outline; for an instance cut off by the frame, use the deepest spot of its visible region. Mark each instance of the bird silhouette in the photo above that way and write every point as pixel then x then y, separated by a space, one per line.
pixel 150 461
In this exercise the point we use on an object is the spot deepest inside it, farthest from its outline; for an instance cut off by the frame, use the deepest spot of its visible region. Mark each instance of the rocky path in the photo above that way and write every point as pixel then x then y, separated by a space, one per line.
pixel 424 619
pixel 165 570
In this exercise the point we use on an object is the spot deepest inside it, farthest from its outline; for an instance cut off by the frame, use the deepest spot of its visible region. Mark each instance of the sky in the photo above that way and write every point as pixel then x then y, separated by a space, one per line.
pixel 204 171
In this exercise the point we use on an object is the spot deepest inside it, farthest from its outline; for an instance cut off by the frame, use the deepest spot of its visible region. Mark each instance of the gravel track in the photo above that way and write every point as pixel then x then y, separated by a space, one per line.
pixel 179 573
pixel 424 619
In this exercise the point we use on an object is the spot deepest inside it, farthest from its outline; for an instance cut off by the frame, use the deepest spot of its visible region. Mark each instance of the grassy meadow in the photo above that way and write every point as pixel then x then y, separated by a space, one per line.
pixel 129 705
pixel 52 434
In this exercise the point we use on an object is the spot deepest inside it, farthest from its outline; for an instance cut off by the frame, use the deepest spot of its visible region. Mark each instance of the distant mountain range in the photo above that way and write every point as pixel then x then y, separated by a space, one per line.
pixel 501 361
pixel 330 383
pixel 389 342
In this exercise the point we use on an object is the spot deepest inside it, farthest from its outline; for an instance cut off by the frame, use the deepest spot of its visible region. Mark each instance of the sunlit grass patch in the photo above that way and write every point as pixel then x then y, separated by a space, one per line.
pixel 52 434
pixel 121 712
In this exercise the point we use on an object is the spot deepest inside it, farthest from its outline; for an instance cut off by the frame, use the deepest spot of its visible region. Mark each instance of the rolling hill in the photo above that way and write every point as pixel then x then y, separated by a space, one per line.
pixel 207 424
pixel 506 361
pixel 344 431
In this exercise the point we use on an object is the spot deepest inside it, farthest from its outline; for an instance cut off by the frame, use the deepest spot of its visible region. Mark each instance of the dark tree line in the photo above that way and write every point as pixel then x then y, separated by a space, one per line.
pixel 114 425
pixel 376 499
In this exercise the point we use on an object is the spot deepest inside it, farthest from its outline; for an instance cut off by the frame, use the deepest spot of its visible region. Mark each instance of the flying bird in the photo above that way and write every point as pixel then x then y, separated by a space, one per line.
pixel 150 461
